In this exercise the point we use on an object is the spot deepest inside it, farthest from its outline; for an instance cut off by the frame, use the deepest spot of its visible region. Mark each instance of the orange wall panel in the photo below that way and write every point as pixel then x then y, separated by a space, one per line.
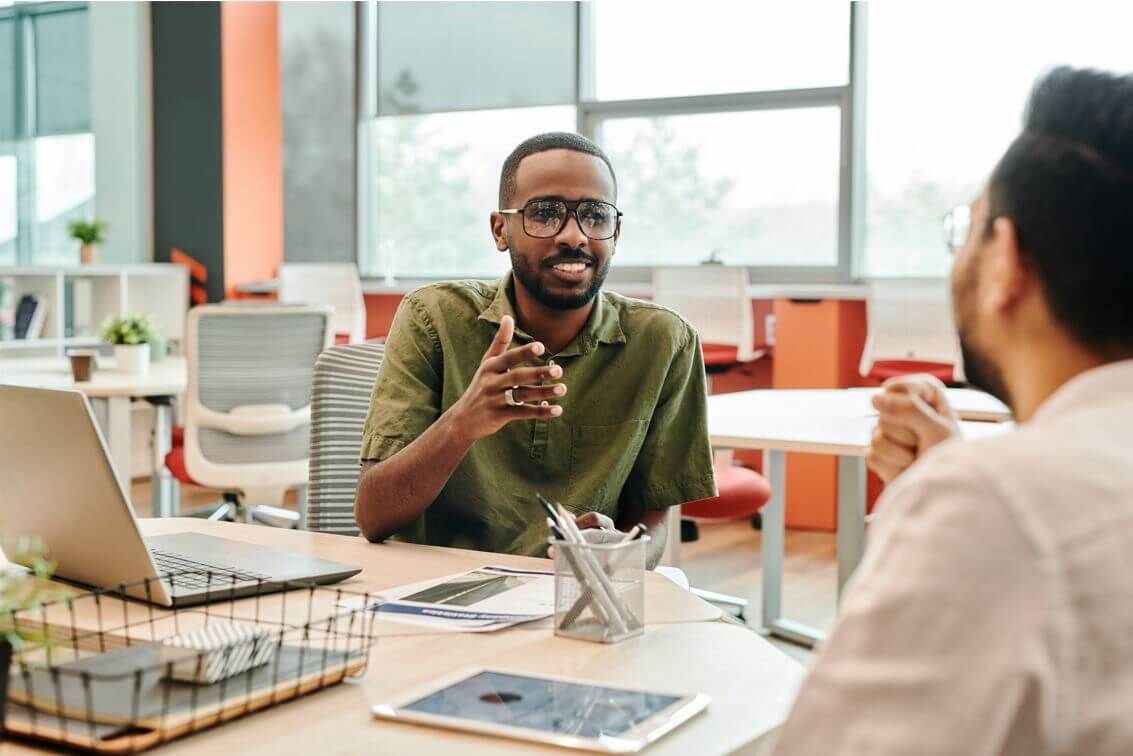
pixel 252 134
pixel 817 345
pixel 380 309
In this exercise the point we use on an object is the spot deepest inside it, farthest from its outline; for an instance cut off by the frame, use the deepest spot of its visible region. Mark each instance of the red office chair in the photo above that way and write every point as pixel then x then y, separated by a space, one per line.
pixel 743 492
pixel 910 330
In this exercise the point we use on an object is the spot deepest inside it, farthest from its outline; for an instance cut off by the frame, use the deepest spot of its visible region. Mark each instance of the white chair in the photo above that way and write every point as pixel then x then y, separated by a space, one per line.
pixel 910 330
pixel 715 300
pixel 247 407
pixel 334 284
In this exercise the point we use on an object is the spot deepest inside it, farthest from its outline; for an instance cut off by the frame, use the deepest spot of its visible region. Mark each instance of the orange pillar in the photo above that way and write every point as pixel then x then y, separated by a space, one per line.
pixel 817 345
pixel 252 134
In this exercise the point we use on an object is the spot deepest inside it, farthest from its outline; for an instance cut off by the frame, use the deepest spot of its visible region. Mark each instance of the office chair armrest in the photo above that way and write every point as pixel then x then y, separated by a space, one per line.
pixel 255 419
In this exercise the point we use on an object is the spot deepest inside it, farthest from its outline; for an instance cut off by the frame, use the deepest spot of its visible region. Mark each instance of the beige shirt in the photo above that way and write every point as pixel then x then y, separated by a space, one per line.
pixel 993 612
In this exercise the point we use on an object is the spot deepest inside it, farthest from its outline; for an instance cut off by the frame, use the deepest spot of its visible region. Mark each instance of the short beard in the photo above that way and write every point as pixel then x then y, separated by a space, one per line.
pixel 982 373
pixel 534 284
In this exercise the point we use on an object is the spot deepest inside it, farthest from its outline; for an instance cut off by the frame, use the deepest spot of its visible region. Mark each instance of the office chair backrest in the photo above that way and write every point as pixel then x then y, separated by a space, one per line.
pixel 715 300
pixel 910 320
pixel 334 284
pixel 247 407
pixel 340 400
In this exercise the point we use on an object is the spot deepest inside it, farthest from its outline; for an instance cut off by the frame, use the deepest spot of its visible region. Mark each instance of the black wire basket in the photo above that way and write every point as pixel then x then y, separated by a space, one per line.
pixel 105 672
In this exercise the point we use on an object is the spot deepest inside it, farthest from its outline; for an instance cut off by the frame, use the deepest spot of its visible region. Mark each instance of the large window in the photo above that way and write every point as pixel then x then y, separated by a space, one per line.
pixel 730 146
pixel 437 180
pixel 46 148
pixel 687 194
pixel 684 48
pixel 809 141
pixel 946 87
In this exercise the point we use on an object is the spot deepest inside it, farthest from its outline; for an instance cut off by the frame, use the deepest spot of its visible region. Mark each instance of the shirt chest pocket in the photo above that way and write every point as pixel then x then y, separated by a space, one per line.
pixel 601 458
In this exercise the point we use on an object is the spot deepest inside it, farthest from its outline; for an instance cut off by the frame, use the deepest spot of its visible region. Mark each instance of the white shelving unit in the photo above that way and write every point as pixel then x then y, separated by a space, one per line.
pixel 96 292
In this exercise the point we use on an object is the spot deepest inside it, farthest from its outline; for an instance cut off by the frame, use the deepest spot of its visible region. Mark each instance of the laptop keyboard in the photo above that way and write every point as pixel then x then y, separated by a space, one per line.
pixel 182 572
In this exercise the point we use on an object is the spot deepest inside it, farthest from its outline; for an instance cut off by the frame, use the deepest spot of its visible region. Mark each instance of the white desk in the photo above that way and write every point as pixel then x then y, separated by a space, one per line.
pixel 821 421
pixel 165 379
pixel 685 647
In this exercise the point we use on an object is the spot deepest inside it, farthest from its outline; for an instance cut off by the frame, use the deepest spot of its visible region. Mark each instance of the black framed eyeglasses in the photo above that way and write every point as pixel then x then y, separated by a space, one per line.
pixel 543 219
pixel 956 224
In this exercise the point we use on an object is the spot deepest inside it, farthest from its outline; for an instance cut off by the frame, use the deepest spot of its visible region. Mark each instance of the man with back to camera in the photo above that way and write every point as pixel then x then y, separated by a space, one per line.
pixel 492 391
pixel 992 612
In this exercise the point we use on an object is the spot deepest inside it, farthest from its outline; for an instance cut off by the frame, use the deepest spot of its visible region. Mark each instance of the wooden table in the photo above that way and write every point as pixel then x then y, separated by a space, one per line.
pixel 820 421
pixel 164 381
pixel 686 646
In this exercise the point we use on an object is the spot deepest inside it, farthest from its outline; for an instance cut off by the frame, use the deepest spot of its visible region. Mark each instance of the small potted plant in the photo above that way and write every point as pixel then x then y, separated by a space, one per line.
pixel 20 590
pixel 90 235
pixel 131 337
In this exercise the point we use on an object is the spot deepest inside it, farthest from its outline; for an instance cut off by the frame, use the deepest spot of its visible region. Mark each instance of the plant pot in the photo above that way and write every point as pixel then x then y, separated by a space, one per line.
pixel 132 358
pixel 5 660
pixel 88 254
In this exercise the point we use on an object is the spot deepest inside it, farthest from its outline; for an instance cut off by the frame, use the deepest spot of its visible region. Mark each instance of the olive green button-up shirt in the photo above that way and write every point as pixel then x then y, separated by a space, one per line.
pixel 633 432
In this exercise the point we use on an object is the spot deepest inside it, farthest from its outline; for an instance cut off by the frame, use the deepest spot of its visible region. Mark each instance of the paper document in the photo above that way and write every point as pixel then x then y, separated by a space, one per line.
pixel 482 600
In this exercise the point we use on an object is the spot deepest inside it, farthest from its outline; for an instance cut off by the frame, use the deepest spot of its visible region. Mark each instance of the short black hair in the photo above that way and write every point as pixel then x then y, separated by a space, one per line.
pixel 1067 184
pixel 552 140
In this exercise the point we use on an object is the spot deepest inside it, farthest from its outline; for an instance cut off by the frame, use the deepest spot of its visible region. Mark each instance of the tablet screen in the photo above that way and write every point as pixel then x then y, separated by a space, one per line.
pixel 551 706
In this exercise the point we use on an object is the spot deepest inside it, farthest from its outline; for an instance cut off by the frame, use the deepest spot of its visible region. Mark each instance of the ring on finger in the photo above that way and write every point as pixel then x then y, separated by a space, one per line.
pixel 509 397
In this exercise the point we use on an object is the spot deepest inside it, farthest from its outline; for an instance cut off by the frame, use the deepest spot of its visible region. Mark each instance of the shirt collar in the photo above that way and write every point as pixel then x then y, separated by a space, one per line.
pixel 603 325
pixel 1099 385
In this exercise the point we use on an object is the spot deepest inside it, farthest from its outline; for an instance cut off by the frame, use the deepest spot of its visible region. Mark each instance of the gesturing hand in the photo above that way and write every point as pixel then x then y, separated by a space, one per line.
pixel 913 416
pixel 484 409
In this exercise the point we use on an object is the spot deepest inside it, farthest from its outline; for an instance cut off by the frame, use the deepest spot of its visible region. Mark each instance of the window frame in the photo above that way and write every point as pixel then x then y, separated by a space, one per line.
pixel 849 98
pixel 22 146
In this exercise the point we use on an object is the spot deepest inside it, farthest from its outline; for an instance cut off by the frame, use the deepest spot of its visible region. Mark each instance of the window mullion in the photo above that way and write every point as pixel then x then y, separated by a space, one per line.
pixel 25 140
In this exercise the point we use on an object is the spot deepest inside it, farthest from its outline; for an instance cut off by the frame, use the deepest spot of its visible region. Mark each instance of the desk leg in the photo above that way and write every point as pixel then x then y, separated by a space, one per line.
pixel 774 533
pixel 118 437
pixel 671 556
pixel 774 538
pixel 851 516
pixel 165 496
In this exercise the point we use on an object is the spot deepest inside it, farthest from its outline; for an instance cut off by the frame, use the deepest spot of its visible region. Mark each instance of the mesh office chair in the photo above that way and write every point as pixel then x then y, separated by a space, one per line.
pixel 247 410
pixel 334 284
pixel 340 399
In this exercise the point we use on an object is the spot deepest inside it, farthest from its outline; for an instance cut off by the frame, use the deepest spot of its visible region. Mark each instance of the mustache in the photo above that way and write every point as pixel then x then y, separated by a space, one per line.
pixel 574 255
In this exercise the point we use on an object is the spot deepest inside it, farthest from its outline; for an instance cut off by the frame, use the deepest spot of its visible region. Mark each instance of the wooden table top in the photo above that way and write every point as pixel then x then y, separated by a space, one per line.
pixel 686 648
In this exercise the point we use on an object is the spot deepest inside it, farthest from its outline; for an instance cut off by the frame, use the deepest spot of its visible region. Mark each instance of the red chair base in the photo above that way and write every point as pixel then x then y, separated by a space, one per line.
pixel 743 493
pixel 887 369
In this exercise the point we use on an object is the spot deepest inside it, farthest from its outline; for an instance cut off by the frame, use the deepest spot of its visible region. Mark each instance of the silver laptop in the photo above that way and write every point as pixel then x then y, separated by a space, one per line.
pixel 57 483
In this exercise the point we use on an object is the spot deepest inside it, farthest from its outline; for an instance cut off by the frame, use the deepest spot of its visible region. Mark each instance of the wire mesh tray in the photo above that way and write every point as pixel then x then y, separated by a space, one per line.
pixel 108 673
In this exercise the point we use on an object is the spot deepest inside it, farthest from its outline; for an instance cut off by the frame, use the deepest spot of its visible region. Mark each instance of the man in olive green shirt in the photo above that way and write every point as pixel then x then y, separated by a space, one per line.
pixel 540 382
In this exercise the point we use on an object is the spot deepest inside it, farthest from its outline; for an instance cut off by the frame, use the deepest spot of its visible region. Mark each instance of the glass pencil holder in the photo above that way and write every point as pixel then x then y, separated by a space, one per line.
pixel 600 590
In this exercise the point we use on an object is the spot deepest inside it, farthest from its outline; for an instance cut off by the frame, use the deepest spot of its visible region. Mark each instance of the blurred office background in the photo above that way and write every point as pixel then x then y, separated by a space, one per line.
pixel 808 141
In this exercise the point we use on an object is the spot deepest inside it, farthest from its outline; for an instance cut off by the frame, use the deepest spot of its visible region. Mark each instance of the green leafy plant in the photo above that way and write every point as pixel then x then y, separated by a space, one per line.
pixel 131 330
pixel 87 232
pixel 21 590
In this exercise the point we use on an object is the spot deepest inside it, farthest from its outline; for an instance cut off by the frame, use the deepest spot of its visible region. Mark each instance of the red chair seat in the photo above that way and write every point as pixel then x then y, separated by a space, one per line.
pixel 342 338
pixel 743 492
pixel 720 354
pixel 887 369
pixel 175 461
